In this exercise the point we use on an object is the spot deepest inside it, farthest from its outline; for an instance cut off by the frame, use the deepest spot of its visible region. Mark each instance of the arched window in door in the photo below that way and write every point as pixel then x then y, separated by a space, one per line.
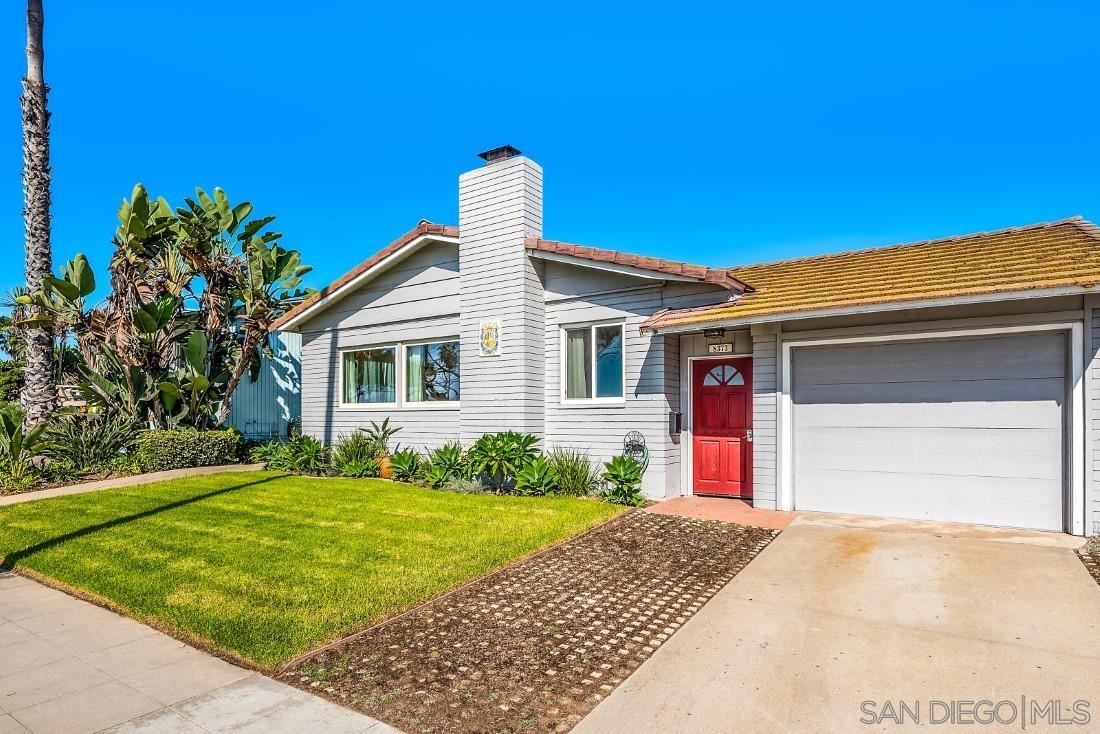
pixel 723 374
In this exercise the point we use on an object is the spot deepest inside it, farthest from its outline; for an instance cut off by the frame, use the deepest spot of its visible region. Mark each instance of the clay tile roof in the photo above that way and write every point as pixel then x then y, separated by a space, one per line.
pixel 717 276
pixel 1058 254
pixel 424 228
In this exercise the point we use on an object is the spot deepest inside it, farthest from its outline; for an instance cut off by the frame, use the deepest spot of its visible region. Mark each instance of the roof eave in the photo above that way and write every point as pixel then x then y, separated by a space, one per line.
pixel 584 256
pixel 728 322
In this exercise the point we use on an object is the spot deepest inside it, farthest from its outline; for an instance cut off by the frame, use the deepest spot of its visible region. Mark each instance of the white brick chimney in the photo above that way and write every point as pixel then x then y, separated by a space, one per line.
pixel 500 204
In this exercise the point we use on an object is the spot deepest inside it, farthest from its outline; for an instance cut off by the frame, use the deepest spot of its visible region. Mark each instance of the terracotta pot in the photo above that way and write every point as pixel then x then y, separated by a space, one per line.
pixel 384 469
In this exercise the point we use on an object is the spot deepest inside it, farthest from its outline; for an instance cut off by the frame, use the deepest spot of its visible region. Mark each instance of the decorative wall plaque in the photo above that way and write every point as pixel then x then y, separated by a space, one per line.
pixel 488 344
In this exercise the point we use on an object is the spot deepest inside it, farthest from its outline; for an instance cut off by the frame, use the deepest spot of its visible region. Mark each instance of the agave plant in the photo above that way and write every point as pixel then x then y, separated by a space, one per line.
pixel 359 468
pixel 445 463
pixel 537 478
pixel 624 480
pixel 406 465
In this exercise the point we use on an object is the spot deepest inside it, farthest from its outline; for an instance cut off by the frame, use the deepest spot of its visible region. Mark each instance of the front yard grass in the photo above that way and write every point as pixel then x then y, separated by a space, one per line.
pixel 266 566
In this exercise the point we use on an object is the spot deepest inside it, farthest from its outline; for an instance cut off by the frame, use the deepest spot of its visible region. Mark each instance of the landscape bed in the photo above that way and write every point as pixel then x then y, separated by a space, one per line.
pixel 1089 554
pixel 537 645
pixel 262 567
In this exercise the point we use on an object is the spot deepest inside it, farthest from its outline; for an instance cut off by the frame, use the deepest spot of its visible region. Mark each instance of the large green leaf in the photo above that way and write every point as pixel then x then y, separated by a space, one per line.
pixel 83 275
pixel 68 291
pixel 196 351
pixel 146 322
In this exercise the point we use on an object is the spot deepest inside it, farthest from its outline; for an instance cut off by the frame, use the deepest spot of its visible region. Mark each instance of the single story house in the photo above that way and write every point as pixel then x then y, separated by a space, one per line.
pixel 953 379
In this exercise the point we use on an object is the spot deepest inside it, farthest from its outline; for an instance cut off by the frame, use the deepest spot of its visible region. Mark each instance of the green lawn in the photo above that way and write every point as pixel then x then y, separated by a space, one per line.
pixel 269 566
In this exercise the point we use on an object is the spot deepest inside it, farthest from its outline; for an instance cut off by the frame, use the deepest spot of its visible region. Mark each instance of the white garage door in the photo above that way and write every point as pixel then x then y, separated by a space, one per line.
pixel 961 430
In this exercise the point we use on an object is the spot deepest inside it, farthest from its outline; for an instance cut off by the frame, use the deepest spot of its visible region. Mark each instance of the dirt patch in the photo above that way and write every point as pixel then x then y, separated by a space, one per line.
pixel 1089 554
pixel 537 645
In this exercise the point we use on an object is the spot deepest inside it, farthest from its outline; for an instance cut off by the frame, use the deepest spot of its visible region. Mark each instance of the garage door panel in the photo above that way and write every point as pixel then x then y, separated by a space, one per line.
pixel 950 359
pixel 1001 414
pixel 928 391
pixel 1012 453
pixel 980 500
pixel 963 430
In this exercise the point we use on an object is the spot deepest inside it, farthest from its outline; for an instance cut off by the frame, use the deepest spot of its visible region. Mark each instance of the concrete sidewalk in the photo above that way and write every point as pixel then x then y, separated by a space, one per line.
pixel 137 479
pixel 70 667
pixel 837 612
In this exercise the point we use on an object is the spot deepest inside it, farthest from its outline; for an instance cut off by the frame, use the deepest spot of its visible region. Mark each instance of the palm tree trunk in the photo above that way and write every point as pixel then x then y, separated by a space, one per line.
pixel 39 391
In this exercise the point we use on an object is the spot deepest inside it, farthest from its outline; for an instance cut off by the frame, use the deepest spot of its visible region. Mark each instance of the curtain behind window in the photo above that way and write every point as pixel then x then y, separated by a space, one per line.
pixel 578 363
pixel 351 377
pixel 414 374
pixel 369 376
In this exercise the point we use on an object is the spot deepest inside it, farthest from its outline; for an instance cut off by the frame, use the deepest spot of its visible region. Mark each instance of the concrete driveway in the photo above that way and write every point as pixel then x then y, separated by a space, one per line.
pixel 841 611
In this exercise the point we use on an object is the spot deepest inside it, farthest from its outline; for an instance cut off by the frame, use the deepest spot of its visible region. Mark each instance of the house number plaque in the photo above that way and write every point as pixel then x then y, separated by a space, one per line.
pixel 720 349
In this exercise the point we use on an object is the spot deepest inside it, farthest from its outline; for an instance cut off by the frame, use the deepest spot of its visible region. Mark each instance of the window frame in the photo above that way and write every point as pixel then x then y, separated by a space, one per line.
pixel 562 365
pixel 403 376
pixel 396 347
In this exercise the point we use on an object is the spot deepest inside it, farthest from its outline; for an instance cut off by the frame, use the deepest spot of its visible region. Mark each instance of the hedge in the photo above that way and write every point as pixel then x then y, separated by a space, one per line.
pixel 161 450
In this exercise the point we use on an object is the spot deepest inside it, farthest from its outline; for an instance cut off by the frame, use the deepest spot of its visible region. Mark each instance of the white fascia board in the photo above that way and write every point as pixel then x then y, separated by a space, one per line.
pixel 368 274
pixel 613 267
pixel 876 308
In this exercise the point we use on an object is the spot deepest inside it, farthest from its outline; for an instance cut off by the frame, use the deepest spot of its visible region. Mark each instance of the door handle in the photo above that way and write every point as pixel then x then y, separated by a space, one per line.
pixel 748 435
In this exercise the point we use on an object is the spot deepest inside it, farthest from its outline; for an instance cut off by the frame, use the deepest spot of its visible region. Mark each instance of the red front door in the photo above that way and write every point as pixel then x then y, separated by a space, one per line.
pixel 721 426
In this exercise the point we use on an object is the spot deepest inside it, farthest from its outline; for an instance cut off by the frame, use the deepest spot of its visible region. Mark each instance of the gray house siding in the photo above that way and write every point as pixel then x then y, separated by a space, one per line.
pixel 765 405
pixel 416 300
pixel 574 298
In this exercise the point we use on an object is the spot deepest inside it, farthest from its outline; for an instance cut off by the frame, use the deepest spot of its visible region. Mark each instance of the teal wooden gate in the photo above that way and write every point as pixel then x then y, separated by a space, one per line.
pixel 265 408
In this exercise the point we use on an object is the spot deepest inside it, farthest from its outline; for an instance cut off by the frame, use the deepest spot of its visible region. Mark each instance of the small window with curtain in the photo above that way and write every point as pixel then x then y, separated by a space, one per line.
pixel 594 362
pixel 370 376
pixel 432 372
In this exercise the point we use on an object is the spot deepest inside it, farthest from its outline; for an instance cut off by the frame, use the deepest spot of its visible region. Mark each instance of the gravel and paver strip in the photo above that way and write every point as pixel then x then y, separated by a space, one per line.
pixel 537 645
pixel 1090 556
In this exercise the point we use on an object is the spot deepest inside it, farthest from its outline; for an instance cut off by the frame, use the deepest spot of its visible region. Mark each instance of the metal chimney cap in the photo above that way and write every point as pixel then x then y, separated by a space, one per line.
pixel 502 153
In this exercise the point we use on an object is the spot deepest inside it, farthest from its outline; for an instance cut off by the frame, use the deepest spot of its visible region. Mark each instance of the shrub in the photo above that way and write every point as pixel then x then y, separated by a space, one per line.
pixel 60 471
pixel 14 409
pixel 307 455
pixel 86 441
pixel 182 449
pixel 273 455
pixel 405 465
pixel 537 478
pixel 467 486
pixel 17 448
pixel 624 480
pixel 15 485
pixel 576 475
pixel 123 465
pixel 354 449
pixel 499 456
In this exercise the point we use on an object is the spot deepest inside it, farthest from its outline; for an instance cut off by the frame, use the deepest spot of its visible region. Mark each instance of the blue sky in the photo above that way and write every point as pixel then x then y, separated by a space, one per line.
pixel 718 134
